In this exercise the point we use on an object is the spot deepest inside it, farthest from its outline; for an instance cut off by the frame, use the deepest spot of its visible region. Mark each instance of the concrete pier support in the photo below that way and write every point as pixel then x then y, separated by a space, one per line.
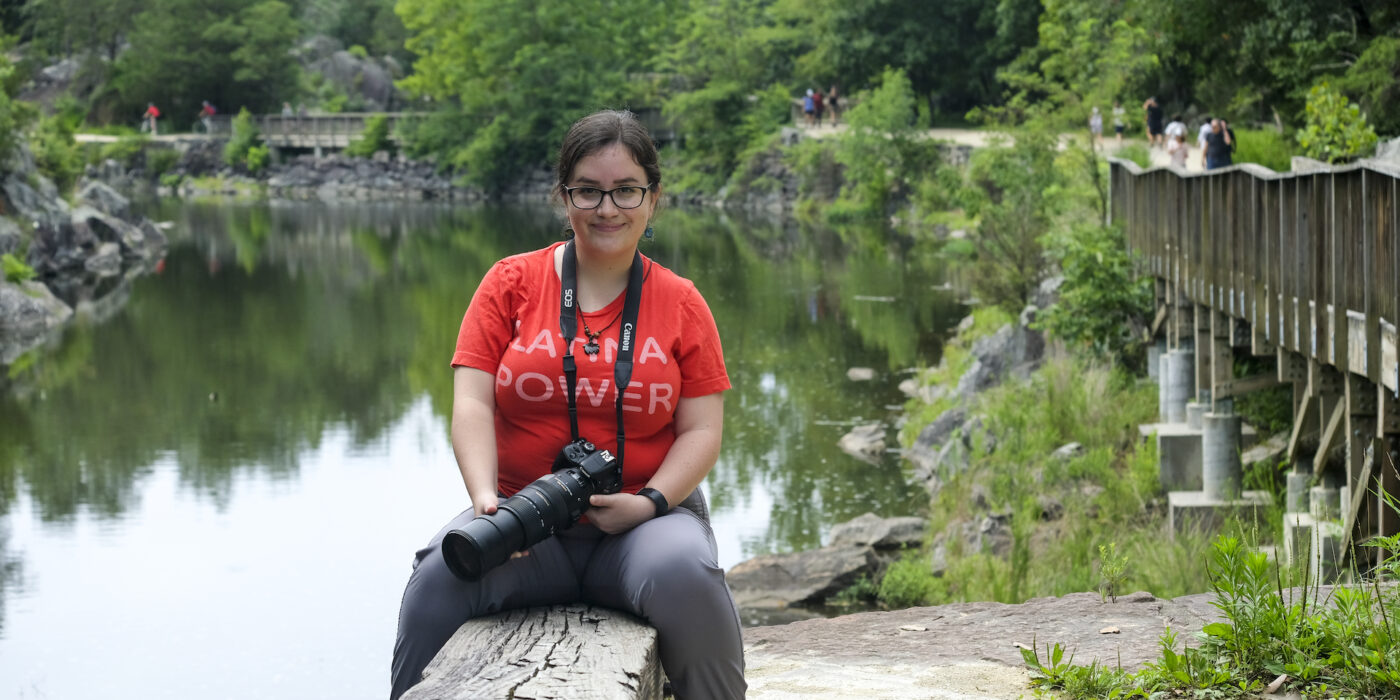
pixel 1298 484
pixel 1194 411
pixel 1155 352
pixel 1221 472
pixel 1177 385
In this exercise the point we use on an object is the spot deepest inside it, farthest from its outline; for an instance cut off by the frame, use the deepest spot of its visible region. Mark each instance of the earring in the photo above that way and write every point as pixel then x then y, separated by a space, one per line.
pixel 649 234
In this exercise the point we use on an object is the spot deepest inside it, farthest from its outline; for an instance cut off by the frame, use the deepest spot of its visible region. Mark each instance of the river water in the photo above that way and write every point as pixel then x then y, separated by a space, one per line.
pixel 216 490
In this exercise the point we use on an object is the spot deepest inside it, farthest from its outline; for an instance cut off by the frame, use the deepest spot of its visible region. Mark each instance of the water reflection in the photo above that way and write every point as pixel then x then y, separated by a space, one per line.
pixel 277 334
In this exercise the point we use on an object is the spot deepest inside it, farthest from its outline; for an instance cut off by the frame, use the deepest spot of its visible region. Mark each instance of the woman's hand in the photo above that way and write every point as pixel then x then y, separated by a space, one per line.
pixel 619 512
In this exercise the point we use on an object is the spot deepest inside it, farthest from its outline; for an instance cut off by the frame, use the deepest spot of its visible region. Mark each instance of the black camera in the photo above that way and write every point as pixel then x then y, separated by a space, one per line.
pixel 548 504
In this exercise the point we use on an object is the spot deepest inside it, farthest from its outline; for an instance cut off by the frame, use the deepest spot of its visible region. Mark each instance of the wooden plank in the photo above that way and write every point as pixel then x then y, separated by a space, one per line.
pixel 1329 433
pixel 560 652
pixel 1358 497
pixel 1246 385
pixel 1156 321
pixel 1304 416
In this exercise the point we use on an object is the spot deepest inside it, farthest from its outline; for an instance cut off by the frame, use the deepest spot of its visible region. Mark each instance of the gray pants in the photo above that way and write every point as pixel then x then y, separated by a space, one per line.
pixel 664 571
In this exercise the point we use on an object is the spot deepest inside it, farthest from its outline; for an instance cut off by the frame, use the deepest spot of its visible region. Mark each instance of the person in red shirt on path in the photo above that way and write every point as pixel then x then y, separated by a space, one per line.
pixel 148 120
pixel 648 548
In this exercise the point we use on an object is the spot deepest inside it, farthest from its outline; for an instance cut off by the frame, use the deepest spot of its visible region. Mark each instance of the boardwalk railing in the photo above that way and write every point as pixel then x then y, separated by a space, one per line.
pixel 1304 266
pixel 313 131
pixel 1310 260
pixel 335 131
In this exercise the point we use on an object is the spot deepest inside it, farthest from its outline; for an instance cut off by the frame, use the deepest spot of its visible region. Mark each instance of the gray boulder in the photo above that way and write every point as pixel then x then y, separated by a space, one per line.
pixel 870 530
pixel 10 236
pixel 28 313
pixel 780 580
pixel 106 262
pixel 864 442
pixel 105 199
pixel 32 205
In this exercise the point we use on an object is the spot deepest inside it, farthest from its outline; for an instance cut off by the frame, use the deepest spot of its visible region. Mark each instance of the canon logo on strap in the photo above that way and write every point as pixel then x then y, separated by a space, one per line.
pixel 626 336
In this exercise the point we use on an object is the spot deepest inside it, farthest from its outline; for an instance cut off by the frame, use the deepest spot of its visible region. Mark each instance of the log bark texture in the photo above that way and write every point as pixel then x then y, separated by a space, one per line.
pixel 560 652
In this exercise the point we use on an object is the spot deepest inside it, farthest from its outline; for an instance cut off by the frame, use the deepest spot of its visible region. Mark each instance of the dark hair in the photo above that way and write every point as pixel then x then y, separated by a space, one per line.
pixel 601 129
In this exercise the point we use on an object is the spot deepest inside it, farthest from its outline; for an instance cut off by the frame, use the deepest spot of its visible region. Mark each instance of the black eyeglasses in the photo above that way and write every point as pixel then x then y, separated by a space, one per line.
pixel 625 197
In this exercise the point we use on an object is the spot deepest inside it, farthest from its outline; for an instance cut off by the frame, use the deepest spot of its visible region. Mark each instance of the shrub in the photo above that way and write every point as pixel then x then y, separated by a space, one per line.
pixel 16 270
pixel 908 582
pixel 1335 129
pixel 375 138
pixel 245 138
pixel 1102 303
pixel 125 150
pixel 258 158
pixel 1266 147
pixel 160 160
pixel 55 152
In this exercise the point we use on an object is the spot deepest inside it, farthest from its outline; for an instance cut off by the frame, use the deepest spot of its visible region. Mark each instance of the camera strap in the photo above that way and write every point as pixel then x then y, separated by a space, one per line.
pixel 568 325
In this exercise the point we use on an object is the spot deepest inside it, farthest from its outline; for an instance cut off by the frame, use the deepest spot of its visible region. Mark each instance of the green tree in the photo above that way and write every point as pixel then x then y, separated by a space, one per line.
pixel 731 99
pixel 1335 129
pixel 883 152
pixel 1088 55
pixel 1011 191
pixel 68 27
pixel 233 53
pixel 522 71
pixel 949 50
pixel 1372 80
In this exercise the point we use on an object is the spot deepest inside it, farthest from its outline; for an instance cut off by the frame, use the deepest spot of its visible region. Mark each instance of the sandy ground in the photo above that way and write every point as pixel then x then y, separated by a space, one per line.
pixel 773 677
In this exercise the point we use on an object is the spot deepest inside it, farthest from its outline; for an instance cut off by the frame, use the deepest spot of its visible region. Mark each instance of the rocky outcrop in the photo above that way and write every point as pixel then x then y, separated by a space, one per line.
pixel 367 81
pixel 858 548
pixel 943 448
pixel 963 650
pixel 383 178
pixel 83 255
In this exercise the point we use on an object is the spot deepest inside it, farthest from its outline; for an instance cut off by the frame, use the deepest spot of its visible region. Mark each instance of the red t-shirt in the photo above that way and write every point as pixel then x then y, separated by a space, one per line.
pixel 511 329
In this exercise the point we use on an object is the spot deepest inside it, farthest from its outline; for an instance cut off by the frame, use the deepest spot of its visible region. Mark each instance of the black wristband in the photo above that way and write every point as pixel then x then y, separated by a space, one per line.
pixel 658 498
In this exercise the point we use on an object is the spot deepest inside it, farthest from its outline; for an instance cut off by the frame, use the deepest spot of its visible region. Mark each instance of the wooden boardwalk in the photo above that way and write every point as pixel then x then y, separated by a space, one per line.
pixel 1301 266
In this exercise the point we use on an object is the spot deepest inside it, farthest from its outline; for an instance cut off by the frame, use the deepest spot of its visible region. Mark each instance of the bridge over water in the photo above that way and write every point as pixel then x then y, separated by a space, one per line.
pixel 1302 267
pixel 332 132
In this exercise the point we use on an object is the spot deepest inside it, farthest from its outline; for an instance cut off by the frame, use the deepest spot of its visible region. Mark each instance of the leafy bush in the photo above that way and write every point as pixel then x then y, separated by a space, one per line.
pixel 56 154
pixel 1102 302
pixel 908 582
pixel 1335 130
pixel 244 140
pixel 160 160
pixel 126 150
pixel 1012 192
pixel 258 158
pixel 882 151
pixel 375 138
pixel 16 270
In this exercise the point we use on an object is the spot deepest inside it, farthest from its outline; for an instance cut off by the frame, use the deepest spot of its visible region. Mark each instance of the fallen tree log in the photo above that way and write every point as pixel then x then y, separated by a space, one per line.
pixel 560 652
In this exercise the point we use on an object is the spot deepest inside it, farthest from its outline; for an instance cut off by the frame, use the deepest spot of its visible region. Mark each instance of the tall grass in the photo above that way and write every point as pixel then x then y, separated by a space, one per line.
pixel 1340 644
pixel 1058 513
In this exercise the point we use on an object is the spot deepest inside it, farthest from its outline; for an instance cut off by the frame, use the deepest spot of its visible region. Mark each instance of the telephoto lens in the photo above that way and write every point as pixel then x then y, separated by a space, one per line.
pixel 548 504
